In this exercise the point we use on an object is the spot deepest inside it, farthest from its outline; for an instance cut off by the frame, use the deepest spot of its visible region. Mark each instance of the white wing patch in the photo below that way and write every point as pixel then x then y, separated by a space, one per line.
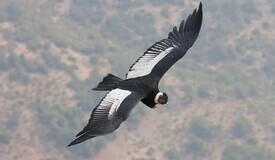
pixel 150 58
pixel 146 63
pixel 113 100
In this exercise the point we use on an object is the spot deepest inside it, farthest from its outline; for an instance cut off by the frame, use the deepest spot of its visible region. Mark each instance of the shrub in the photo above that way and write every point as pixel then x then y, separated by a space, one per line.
pixel 202 92
pixel 4 63
pixel 4 138
pixel 13 12
pixel 19 74
pixel 195 146
pixel 114 27
pixel 241 128
pixel 87 12
pixel 238 152
pixel 32 66
pixel 172 154
pixel 203 129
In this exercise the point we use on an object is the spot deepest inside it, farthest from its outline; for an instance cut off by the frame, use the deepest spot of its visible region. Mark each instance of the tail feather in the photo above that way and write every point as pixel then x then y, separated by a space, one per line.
pixel 81 139
pixel 108 83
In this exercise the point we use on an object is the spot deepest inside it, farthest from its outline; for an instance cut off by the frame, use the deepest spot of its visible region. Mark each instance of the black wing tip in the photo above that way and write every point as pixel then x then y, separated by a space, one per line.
pixel 188 30
pixel 198 17
pixel 81 139
pixel 200 13
pixel 74 142
pixel 71 144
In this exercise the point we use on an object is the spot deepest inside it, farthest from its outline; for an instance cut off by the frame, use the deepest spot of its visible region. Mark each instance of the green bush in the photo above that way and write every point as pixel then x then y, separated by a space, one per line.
pixel 250 9
pixel 13 11
pixel 32 66
pixel 52 61
pixel 87 12
pixel 230 10
pixel 4 138
pixel 238 92
pixel 195 146
pixel 130 29
pixel 171 154
pixel 19 74
pixel 114 27
pixel 203 129
pixel 241 128
pixel 4 62
pixel 238 152
pixel 203 92
pixel 82 95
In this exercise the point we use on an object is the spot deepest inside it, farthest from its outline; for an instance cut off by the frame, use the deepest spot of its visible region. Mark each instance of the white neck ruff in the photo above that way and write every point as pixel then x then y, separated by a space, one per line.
pixel 157 97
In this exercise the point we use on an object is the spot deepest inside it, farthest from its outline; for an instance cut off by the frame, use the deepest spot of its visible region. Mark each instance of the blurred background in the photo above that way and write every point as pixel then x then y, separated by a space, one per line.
pixel 221 94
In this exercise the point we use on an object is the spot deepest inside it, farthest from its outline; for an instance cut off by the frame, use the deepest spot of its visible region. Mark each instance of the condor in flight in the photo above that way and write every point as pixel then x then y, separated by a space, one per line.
pixel 141 81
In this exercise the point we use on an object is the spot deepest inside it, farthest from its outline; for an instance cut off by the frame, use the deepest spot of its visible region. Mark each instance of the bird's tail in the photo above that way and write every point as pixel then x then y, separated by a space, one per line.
pixel 81 139
pixel 108 83
pixel 188 30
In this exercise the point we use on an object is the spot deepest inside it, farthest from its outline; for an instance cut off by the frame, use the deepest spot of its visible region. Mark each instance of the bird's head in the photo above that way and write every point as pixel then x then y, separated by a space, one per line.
pixel 161 98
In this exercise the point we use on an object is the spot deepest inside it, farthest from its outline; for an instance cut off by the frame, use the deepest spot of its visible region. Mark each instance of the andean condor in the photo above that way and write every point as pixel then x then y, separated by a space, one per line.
pixel 141 82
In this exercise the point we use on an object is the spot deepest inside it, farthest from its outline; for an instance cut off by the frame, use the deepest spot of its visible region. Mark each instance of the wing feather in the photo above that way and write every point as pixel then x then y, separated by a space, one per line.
pixel 144 65
pixel 162 55
pixel 105 118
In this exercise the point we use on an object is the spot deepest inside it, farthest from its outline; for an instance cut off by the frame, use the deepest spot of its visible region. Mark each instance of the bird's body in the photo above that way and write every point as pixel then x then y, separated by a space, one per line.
pixel 141 82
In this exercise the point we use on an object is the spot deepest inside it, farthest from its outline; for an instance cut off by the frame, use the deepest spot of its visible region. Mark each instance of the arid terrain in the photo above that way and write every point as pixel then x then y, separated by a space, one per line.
pixel 221 94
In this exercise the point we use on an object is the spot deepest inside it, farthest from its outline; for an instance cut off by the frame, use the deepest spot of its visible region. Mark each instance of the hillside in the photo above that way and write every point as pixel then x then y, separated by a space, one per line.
pixel 221 94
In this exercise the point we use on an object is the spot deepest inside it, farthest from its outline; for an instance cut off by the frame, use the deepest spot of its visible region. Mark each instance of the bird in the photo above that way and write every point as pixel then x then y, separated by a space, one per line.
pixel 141 81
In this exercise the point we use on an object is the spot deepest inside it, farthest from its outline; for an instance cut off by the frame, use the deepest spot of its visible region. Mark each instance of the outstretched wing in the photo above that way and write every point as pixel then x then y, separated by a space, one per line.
pixel 163 54
pixel 107 116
